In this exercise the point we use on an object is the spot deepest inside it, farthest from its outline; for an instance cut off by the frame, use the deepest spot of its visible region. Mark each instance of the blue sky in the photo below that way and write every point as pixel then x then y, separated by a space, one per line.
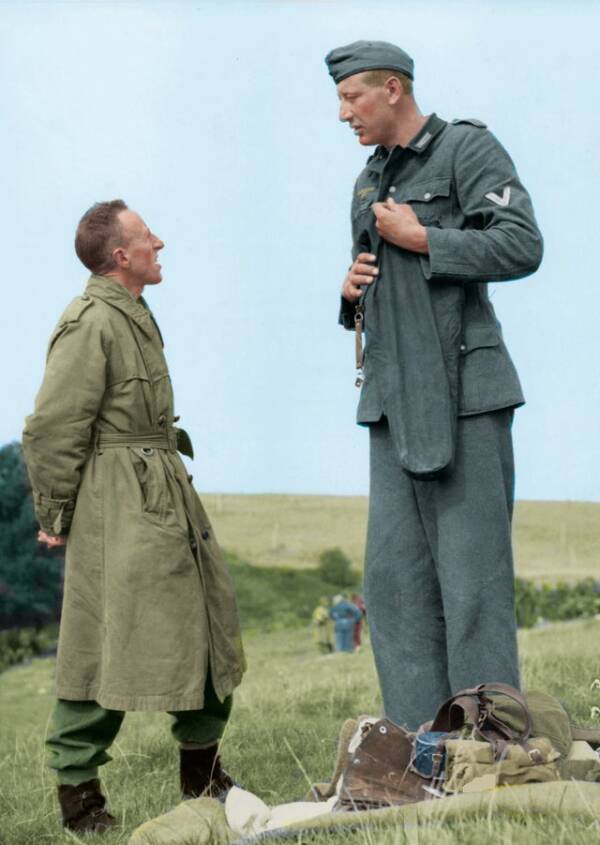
pixel 218 123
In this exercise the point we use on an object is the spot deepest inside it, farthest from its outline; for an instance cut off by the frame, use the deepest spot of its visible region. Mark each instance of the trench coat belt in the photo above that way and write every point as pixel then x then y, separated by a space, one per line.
pixel 151 440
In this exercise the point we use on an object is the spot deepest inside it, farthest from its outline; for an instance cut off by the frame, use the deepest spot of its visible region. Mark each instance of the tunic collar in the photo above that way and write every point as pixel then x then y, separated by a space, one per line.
pixel 432 127
pixel 119 297
pixel 418 144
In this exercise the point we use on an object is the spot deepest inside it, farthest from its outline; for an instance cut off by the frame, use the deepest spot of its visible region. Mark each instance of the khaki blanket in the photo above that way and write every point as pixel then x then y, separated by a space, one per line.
pixel 202 821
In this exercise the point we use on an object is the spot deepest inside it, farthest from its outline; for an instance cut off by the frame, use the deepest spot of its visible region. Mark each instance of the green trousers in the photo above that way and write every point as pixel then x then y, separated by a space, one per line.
pixel 81 732
pixel 439 576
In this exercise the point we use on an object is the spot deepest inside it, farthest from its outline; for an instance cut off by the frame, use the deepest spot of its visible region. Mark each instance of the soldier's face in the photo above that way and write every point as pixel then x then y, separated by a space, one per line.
pixel 141 248
pixel 366 109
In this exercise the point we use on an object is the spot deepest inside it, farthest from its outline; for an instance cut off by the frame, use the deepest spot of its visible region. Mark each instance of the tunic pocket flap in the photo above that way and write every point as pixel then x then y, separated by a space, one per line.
pixel 426 191
pixel 478 337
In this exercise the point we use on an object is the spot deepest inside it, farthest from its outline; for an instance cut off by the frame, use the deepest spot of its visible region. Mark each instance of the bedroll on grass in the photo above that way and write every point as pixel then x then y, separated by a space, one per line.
pixel 202 821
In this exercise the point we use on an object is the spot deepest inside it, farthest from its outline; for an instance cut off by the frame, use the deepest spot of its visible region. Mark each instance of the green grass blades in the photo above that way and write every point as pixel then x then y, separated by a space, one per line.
pixel 282 735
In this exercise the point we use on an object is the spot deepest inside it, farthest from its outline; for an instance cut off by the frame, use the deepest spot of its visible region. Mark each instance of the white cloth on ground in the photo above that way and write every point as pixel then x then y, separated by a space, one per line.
pixel 247 814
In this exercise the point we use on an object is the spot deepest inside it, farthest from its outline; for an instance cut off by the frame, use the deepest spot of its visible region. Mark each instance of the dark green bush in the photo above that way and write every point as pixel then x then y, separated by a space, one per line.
pixel 555 603
pixel 30 575
pixel 336 569
pixel 20 644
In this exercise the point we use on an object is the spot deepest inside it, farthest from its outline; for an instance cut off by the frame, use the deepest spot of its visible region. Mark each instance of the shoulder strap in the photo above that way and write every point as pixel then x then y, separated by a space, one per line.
pixel 472 120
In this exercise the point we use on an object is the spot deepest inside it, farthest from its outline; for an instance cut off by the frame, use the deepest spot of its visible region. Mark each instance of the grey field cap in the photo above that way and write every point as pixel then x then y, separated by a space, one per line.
pixel 367 55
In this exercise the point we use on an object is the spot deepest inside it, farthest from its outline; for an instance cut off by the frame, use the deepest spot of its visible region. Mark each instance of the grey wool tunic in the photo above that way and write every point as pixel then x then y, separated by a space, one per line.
pixel 434 348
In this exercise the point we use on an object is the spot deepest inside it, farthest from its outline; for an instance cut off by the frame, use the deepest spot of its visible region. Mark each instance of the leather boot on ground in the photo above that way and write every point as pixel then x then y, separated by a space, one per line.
pixel 83 807
pixel 201 774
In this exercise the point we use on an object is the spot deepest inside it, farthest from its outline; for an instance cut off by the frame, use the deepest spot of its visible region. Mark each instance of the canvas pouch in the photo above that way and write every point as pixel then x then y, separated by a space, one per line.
pixel 471 765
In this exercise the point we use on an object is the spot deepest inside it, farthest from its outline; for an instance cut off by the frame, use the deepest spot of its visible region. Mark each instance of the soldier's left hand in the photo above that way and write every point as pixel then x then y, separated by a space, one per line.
pixel 398 224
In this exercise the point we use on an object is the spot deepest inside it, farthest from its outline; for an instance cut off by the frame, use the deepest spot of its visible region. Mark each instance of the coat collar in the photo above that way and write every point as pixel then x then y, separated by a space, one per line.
pixel 119 297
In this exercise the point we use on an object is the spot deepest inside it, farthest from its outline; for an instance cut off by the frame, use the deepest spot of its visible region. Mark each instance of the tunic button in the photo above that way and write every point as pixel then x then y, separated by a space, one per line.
pixel 463 348
pixel 193 545
pixel 393 189
pixel 205 534
pixel 427 196
pixel 162 420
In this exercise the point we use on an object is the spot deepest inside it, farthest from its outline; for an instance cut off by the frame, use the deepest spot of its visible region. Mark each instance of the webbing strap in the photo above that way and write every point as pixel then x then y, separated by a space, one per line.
pixel 475 703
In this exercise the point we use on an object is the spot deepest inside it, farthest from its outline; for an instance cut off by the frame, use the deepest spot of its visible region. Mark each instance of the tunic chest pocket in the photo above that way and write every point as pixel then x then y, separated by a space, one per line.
pixel 429 199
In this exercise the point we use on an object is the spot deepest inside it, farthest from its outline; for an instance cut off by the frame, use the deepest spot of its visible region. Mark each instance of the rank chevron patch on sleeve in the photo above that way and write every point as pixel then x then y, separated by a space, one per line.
pixel 499 200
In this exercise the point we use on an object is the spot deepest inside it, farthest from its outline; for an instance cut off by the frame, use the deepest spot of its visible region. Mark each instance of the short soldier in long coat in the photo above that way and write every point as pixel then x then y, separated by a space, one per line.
pixel 438 212
pixel 149 620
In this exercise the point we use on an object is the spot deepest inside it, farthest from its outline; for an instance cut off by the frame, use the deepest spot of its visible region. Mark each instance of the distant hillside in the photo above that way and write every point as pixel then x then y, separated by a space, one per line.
pixel 553 540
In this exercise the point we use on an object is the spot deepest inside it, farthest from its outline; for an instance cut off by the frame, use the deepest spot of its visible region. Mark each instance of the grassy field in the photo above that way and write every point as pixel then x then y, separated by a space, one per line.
pixel 283 732
pixel 553 540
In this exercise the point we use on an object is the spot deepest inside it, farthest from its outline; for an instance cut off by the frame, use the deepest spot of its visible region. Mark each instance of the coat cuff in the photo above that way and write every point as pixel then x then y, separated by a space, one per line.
pixel 53 515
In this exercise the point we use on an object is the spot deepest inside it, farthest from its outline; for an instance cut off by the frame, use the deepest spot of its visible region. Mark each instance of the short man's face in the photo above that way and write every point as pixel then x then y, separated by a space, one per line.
pixel 366 109
pixel 141 247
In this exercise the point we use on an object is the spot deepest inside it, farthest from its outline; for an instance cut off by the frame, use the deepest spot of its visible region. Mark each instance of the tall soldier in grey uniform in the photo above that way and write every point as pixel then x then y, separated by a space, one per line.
pixel 437 213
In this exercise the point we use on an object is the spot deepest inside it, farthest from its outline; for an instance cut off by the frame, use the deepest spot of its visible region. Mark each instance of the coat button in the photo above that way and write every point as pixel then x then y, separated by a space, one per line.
pixel 193 545
pixel 393 189
pixel 427 196
pixel 205 534
pixel 463 348
pixel 162 420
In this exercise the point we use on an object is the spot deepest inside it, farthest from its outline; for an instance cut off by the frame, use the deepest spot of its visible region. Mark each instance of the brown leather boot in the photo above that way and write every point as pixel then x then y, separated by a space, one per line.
pixel 82 807
pixel 201 774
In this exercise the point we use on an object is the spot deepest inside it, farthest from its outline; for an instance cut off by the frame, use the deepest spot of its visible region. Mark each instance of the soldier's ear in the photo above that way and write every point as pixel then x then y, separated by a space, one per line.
pixel 121 258
pixel 394 90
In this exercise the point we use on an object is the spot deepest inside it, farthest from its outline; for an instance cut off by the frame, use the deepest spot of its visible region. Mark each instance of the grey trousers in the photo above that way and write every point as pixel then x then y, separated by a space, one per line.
pixel 439 576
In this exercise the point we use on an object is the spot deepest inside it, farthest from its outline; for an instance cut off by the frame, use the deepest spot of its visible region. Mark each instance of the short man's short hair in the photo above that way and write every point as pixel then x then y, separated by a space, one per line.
pixel 375 78
pixel 98 234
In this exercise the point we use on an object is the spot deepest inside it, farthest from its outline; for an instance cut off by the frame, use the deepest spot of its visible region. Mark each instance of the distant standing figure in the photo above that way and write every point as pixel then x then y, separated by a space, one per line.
pixel 358 600
pixel 323 627
pixel 345 616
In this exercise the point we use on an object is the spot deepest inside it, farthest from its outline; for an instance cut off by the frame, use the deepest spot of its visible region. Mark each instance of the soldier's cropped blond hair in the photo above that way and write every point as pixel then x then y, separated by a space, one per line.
pixel 375 78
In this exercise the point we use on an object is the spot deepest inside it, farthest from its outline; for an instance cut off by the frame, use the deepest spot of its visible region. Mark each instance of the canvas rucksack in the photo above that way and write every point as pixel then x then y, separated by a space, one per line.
pixel 480 738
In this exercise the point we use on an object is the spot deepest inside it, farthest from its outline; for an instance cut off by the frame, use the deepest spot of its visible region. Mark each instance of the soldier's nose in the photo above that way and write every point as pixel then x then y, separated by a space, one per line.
pixel 345 113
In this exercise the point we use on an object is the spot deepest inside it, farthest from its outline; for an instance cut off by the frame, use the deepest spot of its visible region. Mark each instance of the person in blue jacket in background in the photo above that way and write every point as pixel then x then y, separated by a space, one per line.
pixel 345 616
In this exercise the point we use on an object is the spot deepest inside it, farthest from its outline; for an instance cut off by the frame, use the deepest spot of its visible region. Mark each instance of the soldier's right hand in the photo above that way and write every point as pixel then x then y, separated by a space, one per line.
pixel 362 272
pixel 51 540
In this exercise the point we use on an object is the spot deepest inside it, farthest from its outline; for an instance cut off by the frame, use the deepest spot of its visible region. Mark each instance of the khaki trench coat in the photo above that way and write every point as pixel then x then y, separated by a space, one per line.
pixel 148 602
